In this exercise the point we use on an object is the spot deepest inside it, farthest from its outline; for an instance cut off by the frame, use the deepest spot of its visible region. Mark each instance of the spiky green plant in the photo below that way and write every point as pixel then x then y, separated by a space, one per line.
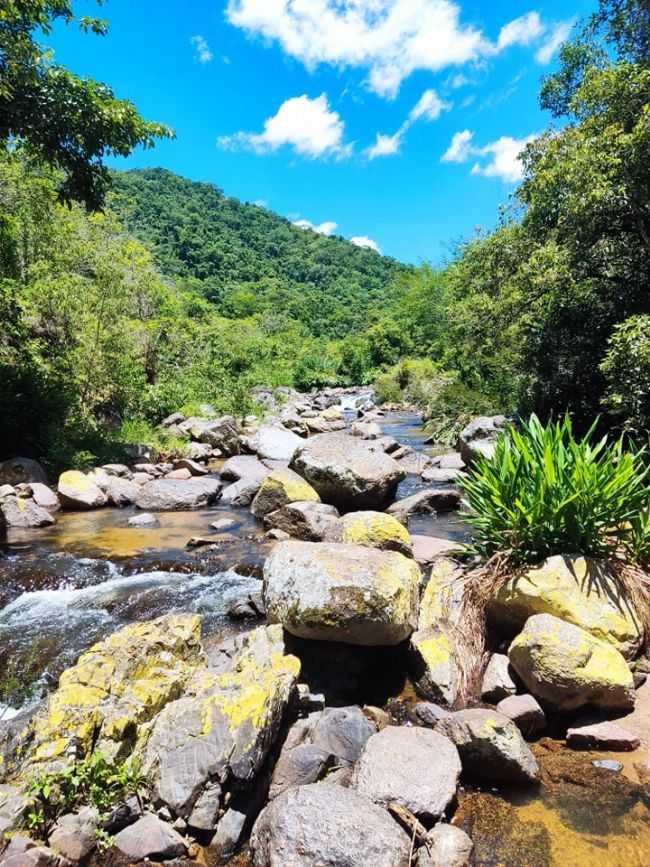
pixel 544 492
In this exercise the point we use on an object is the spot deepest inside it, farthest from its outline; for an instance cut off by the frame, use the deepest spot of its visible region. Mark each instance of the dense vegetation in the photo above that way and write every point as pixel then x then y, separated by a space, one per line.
pixel 175 294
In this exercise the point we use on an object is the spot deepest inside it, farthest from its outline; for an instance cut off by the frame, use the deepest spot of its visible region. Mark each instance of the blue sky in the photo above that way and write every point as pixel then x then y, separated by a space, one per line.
pixel 392 122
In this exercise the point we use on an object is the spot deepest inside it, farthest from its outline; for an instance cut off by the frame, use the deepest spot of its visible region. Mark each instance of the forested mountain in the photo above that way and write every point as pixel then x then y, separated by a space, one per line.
pixel 246 259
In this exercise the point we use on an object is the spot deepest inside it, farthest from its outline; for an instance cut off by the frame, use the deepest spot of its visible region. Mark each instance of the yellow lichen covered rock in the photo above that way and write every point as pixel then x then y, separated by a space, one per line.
pixel 375 530
pixel 220 731
pixel 280 488
pixel 337 592
pixel 434 665
pixel 579 590
pixel 115 687
pixel 442 595
pixel 78 491
pixel 567 667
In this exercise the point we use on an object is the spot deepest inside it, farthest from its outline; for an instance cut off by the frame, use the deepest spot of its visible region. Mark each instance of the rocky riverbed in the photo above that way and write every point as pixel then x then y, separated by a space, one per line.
pixel 273 627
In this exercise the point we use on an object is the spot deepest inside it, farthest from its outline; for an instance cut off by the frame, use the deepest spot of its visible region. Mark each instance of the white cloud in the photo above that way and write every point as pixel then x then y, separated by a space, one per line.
pixel 307 125
pixel 203 53
pixel 389 38
pixel 327 228
pixel 503 155
pixel 429 106
pixel 261 203
pixel 559 34
pixel 458 80
pixel 460 148
pixel 521 31
pixel 363 241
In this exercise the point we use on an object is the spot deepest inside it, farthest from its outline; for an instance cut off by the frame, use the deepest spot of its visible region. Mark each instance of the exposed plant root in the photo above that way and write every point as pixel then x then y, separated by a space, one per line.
pixel 636 584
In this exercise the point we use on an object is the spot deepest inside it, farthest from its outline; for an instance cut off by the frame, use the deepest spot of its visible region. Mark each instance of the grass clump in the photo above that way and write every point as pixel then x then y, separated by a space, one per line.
pixel 544 492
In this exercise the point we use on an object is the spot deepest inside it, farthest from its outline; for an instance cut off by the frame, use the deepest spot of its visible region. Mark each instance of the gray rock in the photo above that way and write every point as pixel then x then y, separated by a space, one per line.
pixel 426 549
pixel 428 501
pixel 194 468
pixel 117 470
pixel 144 520
pixel 448 461
pixel 230 831
pixel 366 430
pixel 441 476
pixel 341 731
pixel 448 846
pixel 497 679
pixel 325 825
pixel 311 522
pixel 412 766
pixel 150 838
pixel 427 713
pixel 23 513
pixel 169 495
pixel 122 492
pixel 79 491
pixel 17 470
pixel 602 736
pixel 241 493
pixel 491 746
pixel 334 592
pixel 347 473
pixel 221 434
pixel 205 813
pixel 174 418
pixel 45 497
pixel 525 712
pixel 74 835
pixel 413 464
pixel 275 442
pixel 434 664
pixel 31 856
pixel 243 467
pixel 223 525
pixel 200 451
pixel 479 437
pixel 305 763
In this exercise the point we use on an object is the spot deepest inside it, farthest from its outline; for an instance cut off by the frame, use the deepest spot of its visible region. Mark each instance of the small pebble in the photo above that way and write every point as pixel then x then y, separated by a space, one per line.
pixel 608 765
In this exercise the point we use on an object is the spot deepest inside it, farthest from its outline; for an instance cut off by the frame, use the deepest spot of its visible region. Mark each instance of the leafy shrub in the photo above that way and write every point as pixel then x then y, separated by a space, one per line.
pixel 412 380
pixel 626 368
pixel 452 408
pixel 544 493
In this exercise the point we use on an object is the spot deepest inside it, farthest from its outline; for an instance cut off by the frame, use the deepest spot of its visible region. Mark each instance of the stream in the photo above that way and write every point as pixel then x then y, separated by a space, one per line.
pixel 64 587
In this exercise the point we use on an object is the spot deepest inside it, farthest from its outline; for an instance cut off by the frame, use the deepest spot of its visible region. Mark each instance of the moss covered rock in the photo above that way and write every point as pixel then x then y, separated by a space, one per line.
pixel 280 488
pixel 434 664
pixel 338 592
pixel 442 595
pixel 576 589
pixel 78 491
pixel 567 667
pixel 375 530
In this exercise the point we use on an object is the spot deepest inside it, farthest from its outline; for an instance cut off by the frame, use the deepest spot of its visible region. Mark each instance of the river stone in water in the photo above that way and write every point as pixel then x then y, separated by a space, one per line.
pixel 579 590
pixel 23 513
pixel 324 825
pixel 412 766
pixel 491 746
pixel 375 530
pixel 280 488
pixel 174 495
pixel 311 522
pixel 116 686
pixel 347 473
pixel 429 501
pixel 478 438
pixel 568 668
pixel 335 592
pixel 77 491
pixel 223 727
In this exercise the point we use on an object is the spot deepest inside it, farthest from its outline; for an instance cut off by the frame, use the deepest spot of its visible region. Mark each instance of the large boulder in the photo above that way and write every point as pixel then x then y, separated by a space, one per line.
pixel 347 473
pixel 243 467
pixel 219 434
pixel 335 592
pixel 77 491
pixel 275 442
pixel 218 735
pixel 478 438
pixel 115 687
pixel 566 667
pixel 491 746
pixel 312 522
pixel 18 470
pixel 442 597
pixel 325 825
pixel 411 766
pixel 428 501
pixel 45 497
pixel 150 838
pixel 23 513
pixel 175 495
pixel 280 488
pixel 375 530
pixel 581 591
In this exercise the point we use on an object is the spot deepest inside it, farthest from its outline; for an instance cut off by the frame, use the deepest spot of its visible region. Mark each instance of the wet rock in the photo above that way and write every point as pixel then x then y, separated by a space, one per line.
pixel 116 686
pixel 434 664
pixel 251 608
pixel 324 825
pixel 193 467
pixel 567 668
pixel 427 713
pixel 608 765
pixel 391 767
pixel 577 589
pixel 374 530
pixel 75 835
pixel 17 470
pixel 169 495
pixel 525 713
pixel 23 513
pixel 335 592
pixel 150 838
pixel 280 488
pixel 491 746
pixel 146 519
pixel 222 728
pixel 426 549
pixel 223 525
pixel 497 679
pixel 346 472
pixel 428 501
pixel 602 736
pixel 478 438
pixel 311 522
pixel 275 442
pixel 77 491
pixel 45 497
pixel 447 846
pixel 341 731
pixel 305 763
